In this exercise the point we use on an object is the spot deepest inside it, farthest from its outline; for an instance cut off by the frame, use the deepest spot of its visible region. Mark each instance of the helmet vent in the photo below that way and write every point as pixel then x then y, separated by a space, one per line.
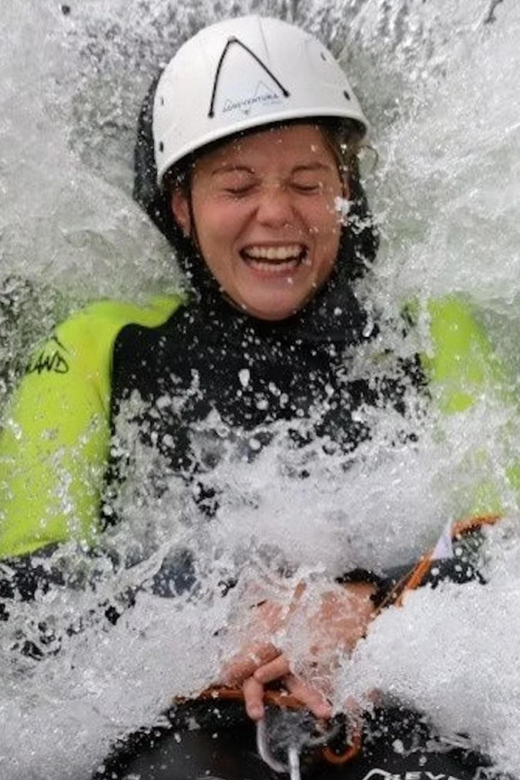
pixel 346 94
pixel 230 42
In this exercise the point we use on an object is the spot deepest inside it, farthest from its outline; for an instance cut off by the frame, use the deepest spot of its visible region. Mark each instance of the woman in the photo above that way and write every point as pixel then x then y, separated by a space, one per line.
pixel 250 181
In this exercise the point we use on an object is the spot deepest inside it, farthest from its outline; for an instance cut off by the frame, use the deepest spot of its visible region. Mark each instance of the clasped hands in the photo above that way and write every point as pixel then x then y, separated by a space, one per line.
pixel 311 633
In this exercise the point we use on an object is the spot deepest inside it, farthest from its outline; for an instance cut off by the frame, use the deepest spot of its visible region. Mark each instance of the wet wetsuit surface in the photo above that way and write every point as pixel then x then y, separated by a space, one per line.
pixel 211 368
pixel 397 745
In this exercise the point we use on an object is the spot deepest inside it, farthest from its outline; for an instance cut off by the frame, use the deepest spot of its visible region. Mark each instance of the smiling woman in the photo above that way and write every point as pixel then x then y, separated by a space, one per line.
pixel 268 344
pixel 262 210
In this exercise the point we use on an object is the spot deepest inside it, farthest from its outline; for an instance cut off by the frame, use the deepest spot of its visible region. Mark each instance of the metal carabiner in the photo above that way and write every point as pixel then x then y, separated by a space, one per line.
pixel 292 767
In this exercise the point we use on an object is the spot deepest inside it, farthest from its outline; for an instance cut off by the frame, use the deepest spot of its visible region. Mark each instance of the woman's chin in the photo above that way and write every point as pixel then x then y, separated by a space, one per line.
pixel 272 307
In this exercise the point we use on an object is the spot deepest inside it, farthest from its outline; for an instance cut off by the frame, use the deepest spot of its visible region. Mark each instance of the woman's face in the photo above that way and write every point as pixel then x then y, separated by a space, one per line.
pixel 264 214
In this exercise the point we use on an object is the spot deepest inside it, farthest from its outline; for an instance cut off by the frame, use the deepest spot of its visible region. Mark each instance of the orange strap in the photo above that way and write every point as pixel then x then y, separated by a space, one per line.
pixel 272 697
pixel 414 579
pixel 356 740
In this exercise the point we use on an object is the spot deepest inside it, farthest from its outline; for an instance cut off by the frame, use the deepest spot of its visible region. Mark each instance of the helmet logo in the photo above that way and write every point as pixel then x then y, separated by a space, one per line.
pixel 262 95
pixel 245 80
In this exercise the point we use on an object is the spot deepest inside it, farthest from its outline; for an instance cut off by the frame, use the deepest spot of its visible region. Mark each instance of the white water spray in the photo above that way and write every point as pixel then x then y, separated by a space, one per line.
pixel 439 85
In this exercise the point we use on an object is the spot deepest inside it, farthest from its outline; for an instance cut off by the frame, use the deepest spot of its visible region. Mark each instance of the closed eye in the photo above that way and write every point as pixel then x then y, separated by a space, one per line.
pixel 308 188
pixel 239 192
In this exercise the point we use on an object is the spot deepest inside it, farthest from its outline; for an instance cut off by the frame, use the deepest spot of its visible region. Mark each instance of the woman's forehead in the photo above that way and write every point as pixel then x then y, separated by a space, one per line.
pixel 287 144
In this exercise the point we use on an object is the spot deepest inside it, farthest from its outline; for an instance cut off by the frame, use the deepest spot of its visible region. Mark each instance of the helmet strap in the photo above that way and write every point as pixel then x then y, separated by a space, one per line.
pixel 193 234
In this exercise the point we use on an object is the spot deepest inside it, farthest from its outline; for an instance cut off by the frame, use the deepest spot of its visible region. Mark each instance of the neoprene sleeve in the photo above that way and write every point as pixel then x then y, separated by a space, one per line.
pixel 56 438
pixel 461 368
pixel 54 445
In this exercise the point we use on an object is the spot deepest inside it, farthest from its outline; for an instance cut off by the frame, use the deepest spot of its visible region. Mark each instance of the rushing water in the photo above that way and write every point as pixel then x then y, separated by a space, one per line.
pixel 439 82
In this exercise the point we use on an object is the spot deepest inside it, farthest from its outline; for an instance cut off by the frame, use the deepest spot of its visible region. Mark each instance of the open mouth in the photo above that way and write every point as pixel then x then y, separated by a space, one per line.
pixel 274 259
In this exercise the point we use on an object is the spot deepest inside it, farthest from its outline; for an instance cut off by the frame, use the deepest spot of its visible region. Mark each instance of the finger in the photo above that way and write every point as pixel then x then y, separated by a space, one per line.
pixel 309 696
pixel 272 670
pixel 254 698
pixel 245 663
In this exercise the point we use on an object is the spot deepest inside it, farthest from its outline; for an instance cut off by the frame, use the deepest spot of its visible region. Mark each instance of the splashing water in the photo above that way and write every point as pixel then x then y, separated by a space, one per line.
pixel 439 85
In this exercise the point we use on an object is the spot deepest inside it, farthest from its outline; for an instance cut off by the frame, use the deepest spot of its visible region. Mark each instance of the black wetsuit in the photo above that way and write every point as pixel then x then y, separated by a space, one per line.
pixel 215 740
pixel 294 372
pixel 210 359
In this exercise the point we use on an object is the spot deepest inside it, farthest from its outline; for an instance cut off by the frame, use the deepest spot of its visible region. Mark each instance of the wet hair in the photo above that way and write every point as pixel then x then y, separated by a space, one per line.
pixel 359 241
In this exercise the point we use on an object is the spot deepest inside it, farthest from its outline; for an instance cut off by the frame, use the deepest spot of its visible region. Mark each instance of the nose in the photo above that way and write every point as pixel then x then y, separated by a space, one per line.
pixel 275 207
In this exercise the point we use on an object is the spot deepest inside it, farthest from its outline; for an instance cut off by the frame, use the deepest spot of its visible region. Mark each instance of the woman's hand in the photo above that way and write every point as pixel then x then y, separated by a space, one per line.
pixel 266 622
pixel 314 631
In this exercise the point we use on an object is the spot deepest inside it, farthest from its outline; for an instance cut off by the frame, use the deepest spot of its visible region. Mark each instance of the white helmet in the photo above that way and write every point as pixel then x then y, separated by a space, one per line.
pixel 244 73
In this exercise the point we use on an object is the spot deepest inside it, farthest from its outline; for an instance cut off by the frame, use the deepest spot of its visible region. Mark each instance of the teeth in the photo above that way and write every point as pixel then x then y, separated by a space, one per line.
pixel 279 267
pixel 291 251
